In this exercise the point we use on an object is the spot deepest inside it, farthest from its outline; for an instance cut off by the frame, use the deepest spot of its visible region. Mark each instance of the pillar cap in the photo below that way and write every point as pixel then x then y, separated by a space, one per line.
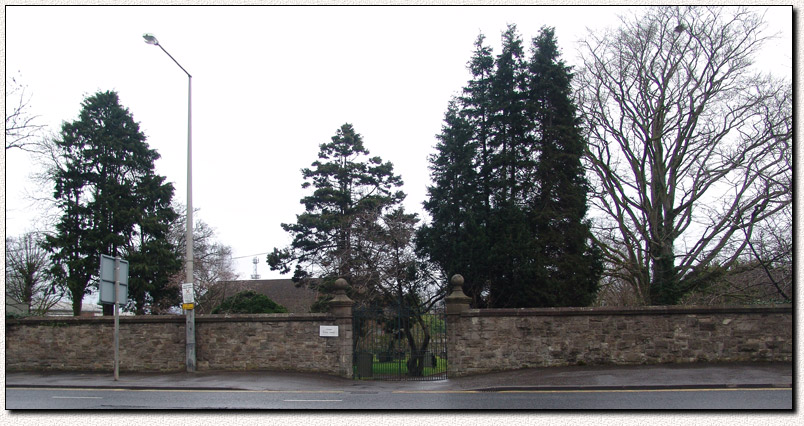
pixel 340 285
pixel 457 301
pixel 340 299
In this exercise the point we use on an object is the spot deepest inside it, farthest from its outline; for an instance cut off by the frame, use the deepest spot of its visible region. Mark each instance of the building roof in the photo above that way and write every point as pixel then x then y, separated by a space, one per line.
pixel 65 308
pixel 282 291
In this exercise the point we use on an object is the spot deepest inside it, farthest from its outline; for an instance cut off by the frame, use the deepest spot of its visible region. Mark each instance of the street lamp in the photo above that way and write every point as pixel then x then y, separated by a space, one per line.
pixel 190 349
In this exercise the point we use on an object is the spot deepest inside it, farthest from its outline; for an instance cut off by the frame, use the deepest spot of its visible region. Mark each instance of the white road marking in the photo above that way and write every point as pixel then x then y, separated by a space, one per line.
pixel 77 397
pixel 313 400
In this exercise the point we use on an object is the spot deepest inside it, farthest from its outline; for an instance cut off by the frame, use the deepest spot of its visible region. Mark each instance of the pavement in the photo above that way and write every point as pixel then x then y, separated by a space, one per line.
pixel 663 376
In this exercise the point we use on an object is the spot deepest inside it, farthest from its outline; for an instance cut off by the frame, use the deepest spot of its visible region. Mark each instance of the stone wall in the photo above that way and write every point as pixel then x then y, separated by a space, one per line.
pixel 478 341
pixel 87 343
pixel 481 341
pixel 157 344
pixel 265 342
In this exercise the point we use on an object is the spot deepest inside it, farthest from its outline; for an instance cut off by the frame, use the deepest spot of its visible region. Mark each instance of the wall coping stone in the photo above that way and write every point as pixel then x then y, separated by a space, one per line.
pixel 640 310
pixel 166 319
pixel 520 312
pixel 265 317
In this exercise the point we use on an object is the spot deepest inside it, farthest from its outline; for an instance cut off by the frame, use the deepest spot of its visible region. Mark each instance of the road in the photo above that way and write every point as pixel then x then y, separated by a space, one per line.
pixel 90 399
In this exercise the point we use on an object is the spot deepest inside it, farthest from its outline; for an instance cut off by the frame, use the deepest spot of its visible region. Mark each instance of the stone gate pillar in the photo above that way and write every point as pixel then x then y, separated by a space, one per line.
pixel 456 302
pixel 341 308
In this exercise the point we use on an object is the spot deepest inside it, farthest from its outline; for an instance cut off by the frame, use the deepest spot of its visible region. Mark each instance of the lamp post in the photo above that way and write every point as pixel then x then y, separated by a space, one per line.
pixel 190 313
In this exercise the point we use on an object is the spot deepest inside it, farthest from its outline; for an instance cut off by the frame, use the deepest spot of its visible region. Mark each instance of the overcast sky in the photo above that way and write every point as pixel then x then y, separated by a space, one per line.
pixel 269 85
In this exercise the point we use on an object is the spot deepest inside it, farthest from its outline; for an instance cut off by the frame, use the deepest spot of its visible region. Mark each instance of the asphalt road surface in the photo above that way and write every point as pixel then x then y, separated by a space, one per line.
pixel 117 399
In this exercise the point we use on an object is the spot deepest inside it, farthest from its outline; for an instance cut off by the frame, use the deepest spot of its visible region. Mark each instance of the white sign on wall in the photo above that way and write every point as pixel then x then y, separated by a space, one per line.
pixel 328 331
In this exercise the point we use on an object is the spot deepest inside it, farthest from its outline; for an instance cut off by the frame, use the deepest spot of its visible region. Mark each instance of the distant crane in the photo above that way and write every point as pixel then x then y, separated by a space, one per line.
pixel 255 275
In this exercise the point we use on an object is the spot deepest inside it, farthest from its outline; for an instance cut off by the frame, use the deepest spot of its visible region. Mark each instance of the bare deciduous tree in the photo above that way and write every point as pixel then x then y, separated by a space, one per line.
pixel 28 279
pixel 21 128
pixel 213 267
pixel 772 252
pixel 686 145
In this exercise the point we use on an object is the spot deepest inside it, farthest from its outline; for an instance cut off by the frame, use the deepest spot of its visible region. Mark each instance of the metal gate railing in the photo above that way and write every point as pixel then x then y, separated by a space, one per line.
pixel 399 344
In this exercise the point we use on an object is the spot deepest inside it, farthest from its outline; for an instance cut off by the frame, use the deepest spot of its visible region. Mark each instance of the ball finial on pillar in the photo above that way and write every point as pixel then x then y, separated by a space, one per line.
pixel 340 285
pixel 457 301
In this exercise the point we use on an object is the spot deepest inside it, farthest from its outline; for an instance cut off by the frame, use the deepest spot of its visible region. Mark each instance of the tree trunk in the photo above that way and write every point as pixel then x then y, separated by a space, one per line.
pixel 77 302
pixel 415 363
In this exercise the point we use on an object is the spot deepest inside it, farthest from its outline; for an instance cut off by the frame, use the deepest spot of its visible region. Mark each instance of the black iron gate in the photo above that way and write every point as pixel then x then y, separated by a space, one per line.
pixel 399 344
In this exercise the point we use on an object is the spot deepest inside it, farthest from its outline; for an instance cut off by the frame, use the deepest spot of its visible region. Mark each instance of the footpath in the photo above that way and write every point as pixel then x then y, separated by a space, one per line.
pixel 664 376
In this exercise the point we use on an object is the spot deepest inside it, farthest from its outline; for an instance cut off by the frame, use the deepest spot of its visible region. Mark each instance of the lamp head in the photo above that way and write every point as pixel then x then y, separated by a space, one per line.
pixel 150 39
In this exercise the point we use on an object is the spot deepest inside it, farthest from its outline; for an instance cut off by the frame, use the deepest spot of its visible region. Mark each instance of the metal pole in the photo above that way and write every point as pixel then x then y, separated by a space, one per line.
pixel 190 317
pixel 189 313
pixel 189 260
pixel 116 318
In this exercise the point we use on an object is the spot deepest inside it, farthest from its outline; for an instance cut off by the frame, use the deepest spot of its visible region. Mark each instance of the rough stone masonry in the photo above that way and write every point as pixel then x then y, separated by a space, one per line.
pixel 478 341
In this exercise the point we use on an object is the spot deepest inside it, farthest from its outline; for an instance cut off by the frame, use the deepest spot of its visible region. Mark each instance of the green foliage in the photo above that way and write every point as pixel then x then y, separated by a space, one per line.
pixel 401 367
pixel 508 198
pixel 572 266
pixel 354 227
pixel 249 302
pixel 112 202
pixel 351 191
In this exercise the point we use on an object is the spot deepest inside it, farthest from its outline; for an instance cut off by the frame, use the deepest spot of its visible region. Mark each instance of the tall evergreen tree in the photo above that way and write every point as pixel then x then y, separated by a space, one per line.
pixel 477 109
pixel 351 191
pixel 456 236
pixel 510 144
pixel 112 201
pixel 512 253
pixel 460 199
pixel 492 198
pixel 153 259
pixel 571 265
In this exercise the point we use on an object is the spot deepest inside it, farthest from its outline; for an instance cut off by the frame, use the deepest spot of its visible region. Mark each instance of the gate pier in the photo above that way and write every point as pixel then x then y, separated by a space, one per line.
pixel 341 309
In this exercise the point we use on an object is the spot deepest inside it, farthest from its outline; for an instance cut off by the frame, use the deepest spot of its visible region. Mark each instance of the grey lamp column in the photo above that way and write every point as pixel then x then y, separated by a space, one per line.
pixel 190 313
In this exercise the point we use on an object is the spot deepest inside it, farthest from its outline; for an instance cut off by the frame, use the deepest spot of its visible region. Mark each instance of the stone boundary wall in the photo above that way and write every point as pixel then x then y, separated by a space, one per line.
pixel 478 341
pixel 481 341
pixel 157 343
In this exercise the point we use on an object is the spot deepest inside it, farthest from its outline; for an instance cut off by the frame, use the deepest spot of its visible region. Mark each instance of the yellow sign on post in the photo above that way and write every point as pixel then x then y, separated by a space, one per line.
pixel 187 296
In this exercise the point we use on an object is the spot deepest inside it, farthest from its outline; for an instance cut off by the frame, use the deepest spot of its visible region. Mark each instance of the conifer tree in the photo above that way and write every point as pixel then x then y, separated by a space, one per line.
pixel 153 259
pixel 350 192
pixel 112 201
pixel 571 265
pixel 513 160
pixel 460 198
pixel 510 224
pixel 455 238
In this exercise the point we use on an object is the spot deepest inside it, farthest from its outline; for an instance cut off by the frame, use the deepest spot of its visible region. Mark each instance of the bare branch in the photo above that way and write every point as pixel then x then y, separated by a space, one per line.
pixel 22 130
pixel 683 141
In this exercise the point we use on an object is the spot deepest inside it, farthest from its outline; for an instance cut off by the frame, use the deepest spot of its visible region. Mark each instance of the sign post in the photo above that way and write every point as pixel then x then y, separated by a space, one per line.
pixel 114 289
pixel 116 319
